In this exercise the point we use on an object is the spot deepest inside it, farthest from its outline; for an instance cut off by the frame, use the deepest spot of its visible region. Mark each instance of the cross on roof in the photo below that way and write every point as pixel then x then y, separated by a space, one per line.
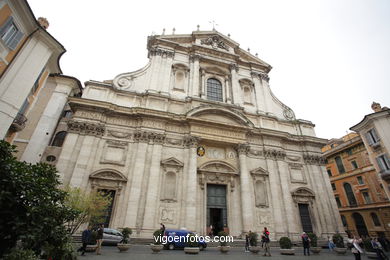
pixel 214 24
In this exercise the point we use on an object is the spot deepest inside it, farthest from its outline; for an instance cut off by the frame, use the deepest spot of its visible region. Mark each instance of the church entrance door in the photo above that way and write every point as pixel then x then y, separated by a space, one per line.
pixel 216 209
pixel 108 213
pixel 305 218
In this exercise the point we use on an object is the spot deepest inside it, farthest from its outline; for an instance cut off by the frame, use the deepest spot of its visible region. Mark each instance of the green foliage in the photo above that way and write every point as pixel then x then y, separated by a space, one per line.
pixel 223 234
pixel 90 206
pixel 338 240
pixel 285 243
pixel 32 207
pixel 18 254
pixel 192 241
pixel 253 237
pixel 126 232
pixel 313 239
pixel 157 237
pixel 367 245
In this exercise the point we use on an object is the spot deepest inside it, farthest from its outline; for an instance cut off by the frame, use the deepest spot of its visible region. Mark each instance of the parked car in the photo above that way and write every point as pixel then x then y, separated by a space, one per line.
pixel 181 242
pixel 111 236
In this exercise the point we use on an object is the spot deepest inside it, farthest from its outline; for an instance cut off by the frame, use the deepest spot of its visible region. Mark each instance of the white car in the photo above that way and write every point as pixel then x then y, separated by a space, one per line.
pixel 111 236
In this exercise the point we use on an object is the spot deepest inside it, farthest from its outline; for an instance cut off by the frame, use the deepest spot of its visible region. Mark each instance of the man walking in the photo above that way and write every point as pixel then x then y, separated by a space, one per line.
pixel 85 238
pixel 99 239
pixel 265 240
pixel 306 243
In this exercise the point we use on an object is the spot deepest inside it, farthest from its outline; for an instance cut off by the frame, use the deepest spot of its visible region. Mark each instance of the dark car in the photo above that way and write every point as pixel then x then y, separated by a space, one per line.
pixel 179 244
pixel 111 236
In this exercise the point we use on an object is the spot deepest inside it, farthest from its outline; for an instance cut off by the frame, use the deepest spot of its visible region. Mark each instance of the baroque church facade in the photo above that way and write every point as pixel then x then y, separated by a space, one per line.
pixel 196 139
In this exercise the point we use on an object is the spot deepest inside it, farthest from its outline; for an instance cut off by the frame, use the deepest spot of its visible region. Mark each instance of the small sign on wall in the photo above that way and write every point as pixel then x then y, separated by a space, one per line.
pixel 200 151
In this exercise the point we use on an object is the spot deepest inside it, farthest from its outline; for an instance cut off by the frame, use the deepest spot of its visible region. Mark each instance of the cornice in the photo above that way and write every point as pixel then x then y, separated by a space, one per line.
pixel 368 119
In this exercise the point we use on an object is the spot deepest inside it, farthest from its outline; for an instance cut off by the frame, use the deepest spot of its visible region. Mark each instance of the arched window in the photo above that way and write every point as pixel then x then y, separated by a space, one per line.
pixel 214 90
pixel 344 220
pixel 59 139
pixel 350 195
pixel 375 219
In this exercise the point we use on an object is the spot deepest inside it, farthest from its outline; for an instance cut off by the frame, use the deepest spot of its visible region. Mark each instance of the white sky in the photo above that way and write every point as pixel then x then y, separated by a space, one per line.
pixel 330 58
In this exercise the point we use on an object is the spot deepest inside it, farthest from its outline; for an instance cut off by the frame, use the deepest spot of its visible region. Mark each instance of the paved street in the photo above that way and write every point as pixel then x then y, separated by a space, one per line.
pixel 144 252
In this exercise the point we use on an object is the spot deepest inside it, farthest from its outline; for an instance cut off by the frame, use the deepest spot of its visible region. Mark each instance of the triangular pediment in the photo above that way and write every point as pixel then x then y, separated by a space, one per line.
pixel 259 171
pixel 172 162
pixel 213 40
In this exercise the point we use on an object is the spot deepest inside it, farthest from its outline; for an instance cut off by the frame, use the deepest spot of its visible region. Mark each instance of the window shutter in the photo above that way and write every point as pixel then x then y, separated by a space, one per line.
pixel 369 138
pixel 16 39
pixel 381 164
pixel 387 161
pixel 5 25
pixel 373 132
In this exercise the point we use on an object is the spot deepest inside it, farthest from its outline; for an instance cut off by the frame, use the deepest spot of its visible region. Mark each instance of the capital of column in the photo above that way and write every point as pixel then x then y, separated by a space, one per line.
pixel 194 57
pixel 242 149
pixel 191 141
pixel 264 77
pixel 233 66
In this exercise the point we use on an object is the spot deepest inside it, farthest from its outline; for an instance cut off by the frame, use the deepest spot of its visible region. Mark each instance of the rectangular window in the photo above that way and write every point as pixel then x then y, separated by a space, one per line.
pixel 383 163
pixel 333 186
pixel 10 34
pixel 329 172
pixel 360 180
pixel 349 151
pixel 354 165
pixel 338 202
pixel 372 137
pixel 339 164
pixel 36 84
pixel 366 197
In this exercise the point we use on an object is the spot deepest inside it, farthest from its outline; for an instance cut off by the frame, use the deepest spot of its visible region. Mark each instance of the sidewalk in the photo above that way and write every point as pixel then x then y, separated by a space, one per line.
pixel 144 252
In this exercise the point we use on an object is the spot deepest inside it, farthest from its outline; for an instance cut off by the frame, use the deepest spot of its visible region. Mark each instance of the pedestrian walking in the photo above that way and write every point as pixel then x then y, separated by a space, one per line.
pixel 356 249
pixel 306 243
pixel 331 245
pixel 246 243
pixel 85 238
pixel 99 239
pixel 162 228
pixel 378 249
pixel 265 239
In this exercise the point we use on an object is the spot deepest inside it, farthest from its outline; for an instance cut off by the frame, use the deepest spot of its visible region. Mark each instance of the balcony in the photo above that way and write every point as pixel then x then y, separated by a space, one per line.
pixel 19 123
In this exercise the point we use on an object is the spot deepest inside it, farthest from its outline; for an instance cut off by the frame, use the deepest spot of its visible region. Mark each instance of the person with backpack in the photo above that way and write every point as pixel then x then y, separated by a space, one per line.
pixel 306 243
pixel 265 240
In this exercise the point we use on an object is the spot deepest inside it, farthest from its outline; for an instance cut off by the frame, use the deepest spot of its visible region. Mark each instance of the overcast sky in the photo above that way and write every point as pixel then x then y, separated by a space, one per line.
pixel 330 58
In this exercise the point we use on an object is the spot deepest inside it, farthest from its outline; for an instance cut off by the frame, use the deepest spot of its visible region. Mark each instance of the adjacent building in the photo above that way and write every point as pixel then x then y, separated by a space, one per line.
pixel 28 55
pixel 361 198
pixel 197 138
pixel 374 130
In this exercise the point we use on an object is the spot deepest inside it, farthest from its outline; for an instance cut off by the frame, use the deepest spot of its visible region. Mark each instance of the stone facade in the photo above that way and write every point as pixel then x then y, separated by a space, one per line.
pixel 142 135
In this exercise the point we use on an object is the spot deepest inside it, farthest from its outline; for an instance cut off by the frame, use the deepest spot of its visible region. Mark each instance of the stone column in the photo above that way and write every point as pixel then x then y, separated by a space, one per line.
pixel 203 85
pixel 136 178
pixel 237 95
pixel 265 91
pixel 194 85
pixel 153 188
pixel 259 92
pixel 246 189
pixel 227 92
pixel 167 69
pixel 155 76
pixel 68 156
pixel 192 143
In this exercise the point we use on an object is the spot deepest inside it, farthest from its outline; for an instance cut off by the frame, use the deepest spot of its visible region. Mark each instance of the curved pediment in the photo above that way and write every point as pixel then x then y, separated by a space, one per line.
pixel 303 192
pixel 220 115
pixel 108 174
pixel 218 167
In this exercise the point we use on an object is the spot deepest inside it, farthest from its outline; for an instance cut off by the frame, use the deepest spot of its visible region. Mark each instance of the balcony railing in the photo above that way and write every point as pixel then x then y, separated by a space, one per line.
pixel 19 122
